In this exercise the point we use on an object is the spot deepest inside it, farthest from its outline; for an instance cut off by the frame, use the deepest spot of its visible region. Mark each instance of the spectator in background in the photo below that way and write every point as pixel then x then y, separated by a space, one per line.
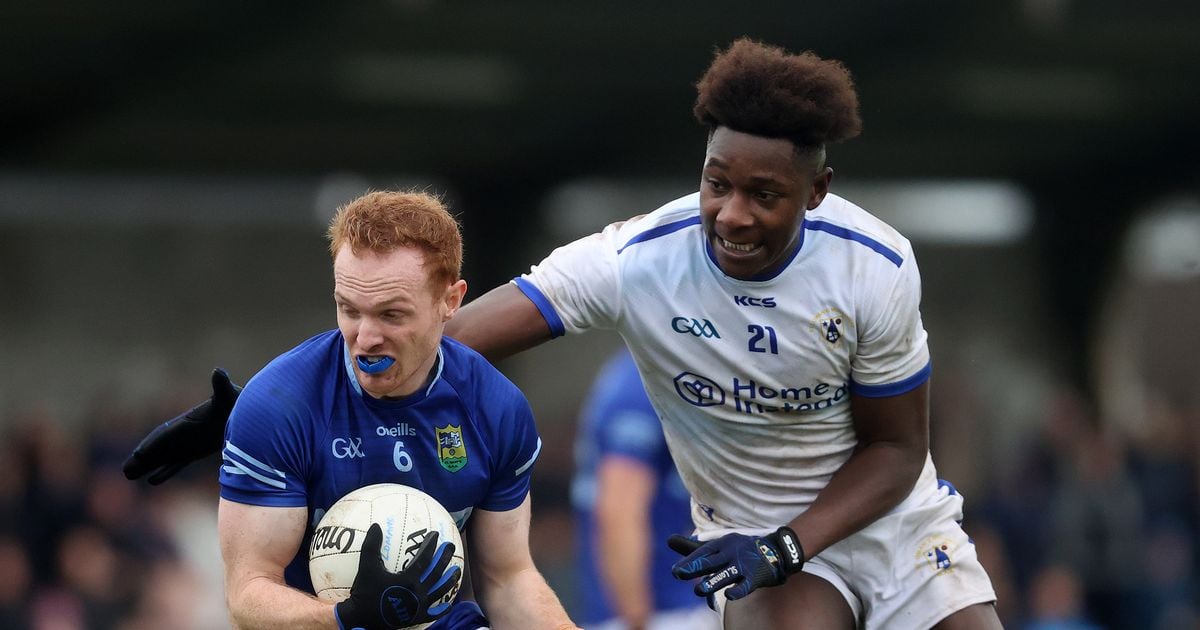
pixel 628 499
pixel 15 584
pixel 1096 527
pixel 1056 601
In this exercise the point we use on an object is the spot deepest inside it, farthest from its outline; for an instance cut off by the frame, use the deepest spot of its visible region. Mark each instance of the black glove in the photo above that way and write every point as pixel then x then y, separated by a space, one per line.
pixel 196 433
pixel 382 599
pixel 746 562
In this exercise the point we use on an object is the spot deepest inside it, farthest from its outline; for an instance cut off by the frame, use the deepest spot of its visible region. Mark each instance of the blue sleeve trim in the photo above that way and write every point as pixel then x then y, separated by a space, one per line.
pixel 260 499
pixel 557 329
pixel 893 389
pixel 857 237
pixel 661 230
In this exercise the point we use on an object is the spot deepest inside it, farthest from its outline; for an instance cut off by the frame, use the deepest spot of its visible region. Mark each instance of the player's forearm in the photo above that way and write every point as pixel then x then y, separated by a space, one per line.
pixel 873 481
pixel 522 600
pixel 499 323
pixel 265 603
pixel 624 556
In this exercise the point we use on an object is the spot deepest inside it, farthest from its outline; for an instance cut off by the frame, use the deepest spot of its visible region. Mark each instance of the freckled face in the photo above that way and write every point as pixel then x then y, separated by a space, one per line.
pixel 754 193
pixel 389 310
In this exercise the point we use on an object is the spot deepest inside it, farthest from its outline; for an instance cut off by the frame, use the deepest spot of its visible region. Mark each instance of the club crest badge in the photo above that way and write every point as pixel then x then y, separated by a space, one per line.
pixel 452 451
pixel 936 554
pixel 831 324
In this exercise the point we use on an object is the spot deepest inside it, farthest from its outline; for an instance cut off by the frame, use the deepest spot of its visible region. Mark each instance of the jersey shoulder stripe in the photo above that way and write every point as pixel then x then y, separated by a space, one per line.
pixel 661 230
pixel 668 218
pixel 857 237
pixel 843 219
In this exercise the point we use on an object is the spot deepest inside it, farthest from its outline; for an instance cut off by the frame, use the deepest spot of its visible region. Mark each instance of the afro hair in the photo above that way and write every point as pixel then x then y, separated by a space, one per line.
pixel 763 90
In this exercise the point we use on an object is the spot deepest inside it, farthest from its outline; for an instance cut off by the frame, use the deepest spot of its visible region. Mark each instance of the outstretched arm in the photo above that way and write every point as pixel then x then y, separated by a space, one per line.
pixel 193 434
pixel 499 323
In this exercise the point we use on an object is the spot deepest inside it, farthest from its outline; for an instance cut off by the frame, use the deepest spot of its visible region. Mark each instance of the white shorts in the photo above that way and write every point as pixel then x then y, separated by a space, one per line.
pixel 908 570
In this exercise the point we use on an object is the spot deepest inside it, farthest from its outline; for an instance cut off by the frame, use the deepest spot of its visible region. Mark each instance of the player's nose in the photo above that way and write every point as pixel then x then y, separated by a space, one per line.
pixel 370 335
pixel 735 212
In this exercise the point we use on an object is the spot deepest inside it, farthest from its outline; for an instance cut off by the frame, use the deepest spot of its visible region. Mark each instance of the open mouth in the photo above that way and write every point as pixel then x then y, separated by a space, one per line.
pixel 739 248
pixel 373 364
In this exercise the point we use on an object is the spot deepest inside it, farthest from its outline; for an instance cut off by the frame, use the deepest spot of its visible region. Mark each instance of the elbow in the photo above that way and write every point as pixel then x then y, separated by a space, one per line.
pixel 235 605
pixel 910 461
pixel 240 602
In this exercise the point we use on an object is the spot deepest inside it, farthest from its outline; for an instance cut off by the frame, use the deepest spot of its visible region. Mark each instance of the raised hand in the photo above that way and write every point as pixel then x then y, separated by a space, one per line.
pixel 192 435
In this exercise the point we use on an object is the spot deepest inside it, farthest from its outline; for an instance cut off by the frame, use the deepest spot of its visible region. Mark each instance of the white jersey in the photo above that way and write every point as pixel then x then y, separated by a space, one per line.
pixel 751 379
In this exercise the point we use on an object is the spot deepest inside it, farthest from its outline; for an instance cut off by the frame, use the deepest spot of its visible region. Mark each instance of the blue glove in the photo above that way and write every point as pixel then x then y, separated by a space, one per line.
pixel 745 562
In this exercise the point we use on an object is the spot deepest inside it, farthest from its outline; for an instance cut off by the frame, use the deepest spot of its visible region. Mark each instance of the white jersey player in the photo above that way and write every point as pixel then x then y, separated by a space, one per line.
pixel 776 328
pixel 769 364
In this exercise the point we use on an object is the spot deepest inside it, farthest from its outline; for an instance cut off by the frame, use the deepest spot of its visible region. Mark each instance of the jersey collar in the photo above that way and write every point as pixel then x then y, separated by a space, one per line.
pixel 350 374
pixel 762 277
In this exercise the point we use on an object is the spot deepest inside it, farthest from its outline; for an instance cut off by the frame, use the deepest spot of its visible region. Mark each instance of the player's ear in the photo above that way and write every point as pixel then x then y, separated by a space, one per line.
pixel 820 187
pixel 453 298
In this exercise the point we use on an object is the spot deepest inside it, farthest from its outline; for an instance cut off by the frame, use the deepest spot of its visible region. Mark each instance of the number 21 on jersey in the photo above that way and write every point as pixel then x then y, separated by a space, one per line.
pixel 762 339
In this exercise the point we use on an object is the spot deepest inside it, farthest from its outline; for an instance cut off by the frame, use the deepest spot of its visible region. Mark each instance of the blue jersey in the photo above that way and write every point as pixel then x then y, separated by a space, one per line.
pixel 618 421
pixel 304 434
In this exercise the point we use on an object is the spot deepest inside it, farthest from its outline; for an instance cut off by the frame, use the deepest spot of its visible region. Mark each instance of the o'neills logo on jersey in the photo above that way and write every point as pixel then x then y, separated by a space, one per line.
pixel 831 323
pixel 400 430
pixel 751 397
pixel 452 451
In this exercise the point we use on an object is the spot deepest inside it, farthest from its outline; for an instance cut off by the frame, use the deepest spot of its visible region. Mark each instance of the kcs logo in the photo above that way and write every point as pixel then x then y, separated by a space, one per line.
pixel 746 300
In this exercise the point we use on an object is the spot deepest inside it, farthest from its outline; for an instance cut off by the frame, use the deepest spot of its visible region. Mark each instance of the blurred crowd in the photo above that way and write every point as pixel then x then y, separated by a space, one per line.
pixel 83 548
pixel 1084 527
pixel 1080 527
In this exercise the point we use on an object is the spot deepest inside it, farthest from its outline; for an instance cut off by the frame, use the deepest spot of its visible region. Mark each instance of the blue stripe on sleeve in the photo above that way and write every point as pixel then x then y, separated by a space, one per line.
pixel 557 329
pixel 263 499
pixel 532 458
pixel 857 237
pixel 893 389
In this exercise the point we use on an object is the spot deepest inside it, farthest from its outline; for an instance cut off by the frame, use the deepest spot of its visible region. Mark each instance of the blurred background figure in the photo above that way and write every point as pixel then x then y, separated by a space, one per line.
pixel 162 209
pixel 628 500
pixel 1056 601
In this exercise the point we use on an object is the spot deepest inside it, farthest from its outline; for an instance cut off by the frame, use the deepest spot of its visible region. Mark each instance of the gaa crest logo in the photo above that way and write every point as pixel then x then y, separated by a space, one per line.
pixel 832 324
pixel 452 451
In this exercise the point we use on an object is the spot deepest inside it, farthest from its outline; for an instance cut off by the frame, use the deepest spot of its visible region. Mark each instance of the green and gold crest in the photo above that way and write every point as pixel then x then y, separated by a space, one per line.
pixel 452 451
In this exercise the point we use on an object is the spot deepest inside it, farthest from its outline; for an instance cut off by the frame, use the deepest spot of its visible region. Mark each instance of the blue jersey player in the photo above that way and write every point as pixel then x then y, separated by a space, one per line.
pixel 628 498
pixel 384 398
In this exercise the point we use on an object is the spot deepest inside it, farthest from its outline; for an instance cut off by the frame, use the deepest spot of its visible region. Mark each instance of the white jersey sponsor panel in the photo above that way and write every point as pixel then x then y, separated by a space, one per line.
pixel 752 379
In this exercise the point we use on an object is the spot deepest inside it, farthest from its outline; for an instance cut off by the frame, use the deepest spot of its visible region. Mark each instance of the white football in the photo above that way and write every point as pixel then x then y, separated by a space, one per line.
pixel 406 516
